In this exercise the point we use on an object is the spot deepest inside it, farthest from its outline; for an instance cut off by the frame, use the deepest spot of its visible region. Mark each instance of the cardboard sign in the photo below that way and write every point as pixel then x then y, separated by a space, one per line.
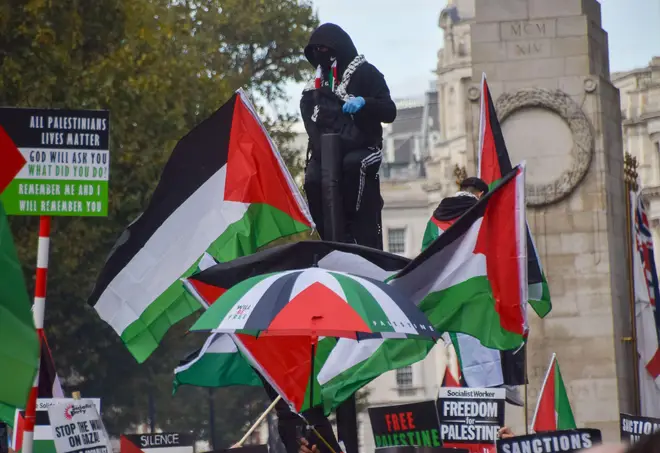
pixel 634 427
pixel 551 442
pixel 470 417
pixel 158 443
pixel 62 158
pixel 43 434
pixel 77 427
pixel 407 424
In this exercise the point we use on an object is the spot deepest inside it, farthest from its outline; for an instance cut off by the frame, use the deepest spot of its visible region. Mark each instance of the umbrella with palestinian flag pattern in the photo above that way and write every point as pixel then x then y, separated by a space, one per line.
pixel 311 303
pixel 315 302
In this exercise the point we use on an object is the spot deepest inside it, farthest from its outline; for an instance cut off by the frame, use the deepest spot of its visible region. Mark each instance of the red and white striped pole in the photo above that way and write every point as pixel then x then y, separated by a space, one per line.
pixel 38 313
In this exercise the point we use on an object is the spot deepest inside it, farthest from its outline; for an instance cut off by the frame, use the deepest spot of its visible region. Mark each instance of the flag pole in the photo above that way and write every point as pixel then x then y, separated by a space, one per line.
pixel 38 311
pixel 526 400
pixel 630 184
pixel 257 423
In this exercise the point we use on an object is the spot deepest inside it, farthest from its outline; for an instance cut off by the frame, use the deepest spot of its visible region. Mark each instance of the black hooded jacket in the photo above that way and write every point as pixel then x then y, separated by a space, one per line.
pixel 362 129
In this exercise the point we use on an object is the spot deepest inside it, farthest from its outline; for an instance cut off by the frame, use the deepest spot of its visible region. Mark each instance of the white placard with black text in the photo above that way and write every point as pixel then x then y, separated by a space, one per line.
pixel 77 428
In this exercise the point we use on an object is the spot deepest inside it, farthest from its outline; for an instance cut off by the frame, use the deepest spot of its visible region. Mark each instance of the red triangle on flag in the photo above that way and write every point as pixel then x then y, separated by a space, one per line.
pixel 11 158
pixel 254 173
pixel 126 446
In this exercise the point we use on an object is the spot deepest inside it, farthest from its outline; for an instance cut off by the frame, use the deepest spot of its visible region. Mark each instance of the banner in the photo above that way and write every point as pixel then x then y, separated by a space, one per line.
pixel 406 424
pixel 551 442
pixel 633 427
pixel 77 427
pixel 157 443
pixel 57 161
pixel 470 417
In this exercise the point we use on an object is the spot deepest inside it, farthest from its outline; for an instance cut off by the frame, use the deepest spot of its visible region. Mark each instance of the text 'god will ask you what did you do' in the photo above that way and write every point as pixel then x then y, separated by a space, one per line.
pixel 65 162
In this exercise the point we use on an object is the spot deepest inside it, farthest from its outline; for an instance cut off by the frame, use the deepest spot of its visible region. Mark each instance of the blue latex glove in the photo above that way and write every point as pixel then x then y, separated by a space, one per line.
pixel 353 105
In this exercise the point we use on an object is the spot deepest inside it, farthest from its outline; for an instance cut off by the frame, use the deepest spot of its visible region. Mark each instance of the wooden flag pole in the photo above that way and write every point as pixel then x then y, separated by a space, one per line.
pixel 257 423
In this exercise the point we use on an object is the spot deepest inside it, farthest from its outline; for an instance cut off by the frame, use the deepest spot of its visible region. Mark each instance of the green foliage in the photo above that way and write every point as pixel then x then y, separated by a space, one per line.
pixel 159 67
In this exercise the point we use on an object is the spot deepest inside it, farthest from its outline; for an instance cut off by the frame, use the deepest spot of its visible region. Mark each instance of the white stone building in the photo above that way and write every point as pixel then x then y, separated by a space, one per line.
pixel 640 109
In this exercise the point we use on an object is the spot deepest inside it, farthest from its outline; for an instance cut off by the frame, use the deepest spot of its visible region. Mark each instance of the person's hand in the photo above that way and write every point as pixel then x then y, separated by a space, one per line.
pixel 305 448
pixel 353 105
pixel 505 433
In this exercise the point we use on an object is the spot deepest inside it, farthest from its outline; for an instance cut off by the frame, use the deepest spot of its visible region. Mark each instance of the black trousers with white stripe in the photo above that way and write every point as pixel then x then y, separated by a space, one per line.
pixel 360 196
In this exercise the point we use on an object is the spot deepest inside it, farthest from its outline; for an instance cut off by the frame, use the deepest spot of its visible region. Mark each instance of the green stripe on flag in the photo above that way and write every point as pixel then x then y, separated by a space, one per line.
pixel 390 355
pixel 565 419
pixel 261 225
pixel 469 307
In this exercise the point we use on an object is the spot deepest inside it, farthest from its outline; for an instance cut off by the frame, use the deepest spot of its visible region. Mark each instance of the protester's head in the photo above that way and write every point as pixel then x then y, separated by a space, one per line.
pixel 475 186
pixel 647 444
pixel 330 42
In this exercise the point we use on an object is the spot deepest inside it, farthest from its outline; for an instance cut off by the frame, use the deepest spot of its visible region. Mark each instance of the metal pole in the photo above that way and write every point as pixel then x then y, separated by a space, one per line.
pixel 43 247
pixel 630 185
pixel 211 419
pixel 334 230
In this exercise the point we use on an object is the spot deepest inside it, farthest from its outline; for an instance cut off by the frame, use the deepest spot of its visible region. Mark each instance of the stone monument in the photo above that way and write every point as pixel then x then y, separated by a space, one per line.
pixel 548 69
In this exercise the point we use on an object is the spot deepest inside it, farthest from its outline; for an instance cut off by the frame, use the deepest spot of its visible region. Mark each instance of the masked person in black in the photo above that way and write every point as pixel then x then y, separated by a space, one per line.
pixel 350 97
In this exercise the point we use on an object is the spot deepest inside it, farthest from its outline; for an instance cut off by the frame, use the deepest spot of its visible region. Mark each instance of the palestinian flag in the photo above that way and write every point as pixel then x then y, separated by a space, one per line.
pixel 225 191
pixel 217 364
pixel 19 343
pixel 49 387
pixel 472 279
pixel 553 410
pixel 494 162
pixel 272 355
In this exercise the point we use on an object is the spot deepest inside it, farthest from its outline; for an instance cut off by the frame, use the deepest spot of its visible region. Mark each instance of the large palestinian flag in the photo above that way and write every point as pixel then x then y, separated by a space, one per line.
pixel 225 191
pixel 494 162
pixel 285 360
pixel 472 279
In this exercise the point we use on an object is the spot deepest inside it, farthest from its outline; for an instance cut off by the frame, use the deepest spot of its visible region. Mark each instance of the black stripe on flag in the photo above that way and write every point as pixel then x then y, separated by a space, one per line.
pixel 275 298
pixel 298 255
pixel 457 229
pixel 196 158
pixel 533 268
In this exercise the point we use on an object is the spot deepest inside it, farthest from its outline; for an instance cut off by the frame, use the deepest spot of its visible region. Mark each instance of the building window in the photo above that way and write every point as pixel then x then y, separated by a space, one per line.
pixel 396 240
pixel 404 381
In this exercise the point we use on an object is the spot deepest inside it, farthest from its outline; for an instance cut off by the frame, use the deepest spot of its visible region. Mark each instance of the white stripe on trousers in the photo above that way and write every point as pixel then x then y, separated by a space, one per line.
pixel 371 159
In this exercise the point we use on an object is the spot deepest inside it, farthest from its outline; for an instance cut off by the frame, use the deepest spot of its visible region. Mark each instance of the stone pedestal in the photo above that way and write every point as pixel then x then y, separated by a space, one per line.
pixel 548 70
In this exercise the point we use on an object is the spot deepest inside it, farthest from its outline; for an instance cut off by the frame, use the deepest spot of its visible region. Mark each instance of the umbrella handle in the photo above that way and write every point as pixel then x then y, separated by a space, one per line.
pixel 257 423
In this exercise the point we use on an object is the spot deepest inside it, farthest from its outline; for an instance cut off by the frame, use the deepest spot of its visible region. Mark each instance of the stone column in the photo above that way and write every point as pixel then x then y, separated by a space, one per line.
pixel 548 69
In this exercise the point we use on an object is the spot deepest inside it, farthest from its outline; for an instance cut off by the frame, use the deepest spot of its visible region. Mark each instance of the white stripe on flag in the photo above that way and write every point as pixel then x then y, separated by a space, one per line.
pixel 163 259
pixel 342 358
pixel 481 366
pixel 217 343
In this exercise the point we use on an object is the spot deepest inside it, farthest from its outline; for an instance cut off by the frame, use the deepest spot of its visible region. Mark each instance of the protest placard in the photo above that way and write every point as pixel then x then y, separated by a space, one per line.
pixel 406 424
pixel 633 427
pixel 157 443
pixel 61 158
pixel 551 442
pixel 77 427
pixel 470 417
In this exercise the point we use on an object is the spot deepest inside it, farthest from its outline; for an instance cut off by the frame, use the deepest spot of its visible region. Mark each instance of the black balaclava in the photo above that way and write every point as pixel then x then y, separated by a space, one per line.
pixel 338 43
pixel 324 59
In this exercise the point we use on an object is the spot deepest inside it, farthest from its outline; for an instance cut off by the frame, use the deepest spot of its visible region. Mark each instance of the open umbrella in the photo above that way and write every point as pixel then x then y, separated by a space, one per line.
pixel 311 303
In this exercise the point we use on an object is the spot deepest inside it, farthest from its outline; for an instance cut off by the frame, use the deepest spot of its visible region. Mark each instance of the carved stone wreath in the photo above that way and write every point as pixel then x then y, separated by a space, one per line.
pixel 583 139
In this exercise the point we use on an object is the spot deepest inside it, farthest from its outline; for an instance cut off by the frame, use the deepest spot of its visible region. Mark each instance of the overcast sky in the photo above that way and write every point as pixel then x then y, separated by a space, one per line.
pixel 402 37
